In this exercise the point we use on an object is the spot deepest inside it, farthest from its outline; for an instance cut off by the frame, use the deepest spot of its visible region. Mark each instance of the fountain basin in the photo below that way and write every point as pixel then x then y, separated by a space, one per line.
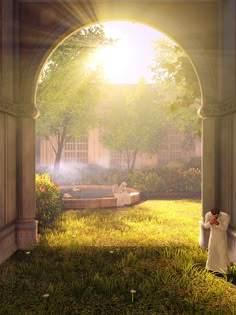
pixel 105 200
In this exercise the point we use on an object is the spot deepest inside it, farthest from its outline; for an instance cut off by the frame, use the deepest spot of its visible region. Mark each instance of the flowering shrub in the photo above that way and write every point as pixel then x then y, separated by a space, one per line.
pixel 48 200
pixel 146 180
pixel 192 180
pixel 175 180
pixel 194 162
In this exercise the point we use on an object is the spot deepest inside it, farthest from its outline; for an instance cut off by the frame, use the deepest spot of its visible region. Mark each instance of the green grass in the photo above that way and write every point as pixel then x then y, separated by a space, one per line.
pixel 92 259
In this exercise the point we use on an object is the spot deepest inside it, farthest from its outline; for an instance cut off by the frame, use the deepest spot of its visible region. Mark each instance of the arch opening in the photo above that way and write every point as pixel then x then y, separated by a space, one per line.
pixel 106 51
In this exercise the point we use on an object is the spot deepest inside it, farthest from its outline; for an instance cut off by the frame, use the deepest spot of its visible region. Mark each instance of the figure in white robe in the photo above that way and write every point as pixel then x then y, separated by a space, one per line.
pixel 122 195
pixel 218 259
pixel 66 195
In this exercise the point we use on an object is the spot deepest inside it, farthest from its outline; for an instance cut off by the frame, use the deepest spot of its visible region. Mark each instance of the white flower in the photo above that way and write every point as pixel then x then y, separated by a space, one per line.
pixel 132 292
pixel 46 295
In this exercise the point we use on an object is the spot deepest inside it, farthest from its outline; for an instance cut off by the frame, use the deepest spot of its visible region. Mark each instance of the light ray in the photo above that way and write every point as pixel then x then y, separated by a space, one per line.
pixel 129 58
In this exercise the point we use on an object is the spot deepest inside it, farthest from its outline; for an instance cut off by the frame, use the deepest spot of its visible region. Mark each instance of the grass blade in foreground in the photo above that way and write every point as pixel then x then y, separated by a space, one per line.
pixel 93 259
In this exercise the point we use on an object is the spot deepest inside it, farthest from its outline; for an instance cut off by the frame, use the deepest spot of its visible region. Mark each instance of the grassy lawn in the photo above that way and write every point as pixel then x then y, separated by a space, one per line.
pixel 93 259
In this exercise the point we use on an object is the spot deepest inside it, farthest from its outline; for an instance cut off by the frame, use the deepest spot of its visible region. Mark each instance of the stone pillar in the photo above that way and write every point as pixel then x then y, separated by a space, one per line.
pixel 26 226
pixel 8 121
pixel 210 160
pixel 219 168
pixel 227 184
pixel 219 133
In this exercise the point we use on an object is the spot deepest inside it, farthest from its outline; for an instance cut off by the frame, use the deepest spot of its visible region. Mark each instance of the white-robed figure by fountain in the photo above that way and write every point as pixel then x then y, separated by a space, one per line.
pixel 218 222
pixel 121 194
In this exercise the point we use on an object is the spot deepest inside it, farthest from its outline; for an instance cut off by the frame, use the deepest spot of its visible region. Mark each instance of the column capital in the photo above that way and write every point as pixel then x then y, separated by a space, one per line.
pixel 7 106
pixel 218 109
pixel 21 109
pixel 27 109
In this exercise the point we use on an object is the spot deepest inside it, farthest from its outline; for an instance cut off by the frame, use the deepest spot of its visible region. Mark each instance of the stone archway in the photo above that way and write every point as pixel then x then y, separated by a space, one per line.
pixel 31 30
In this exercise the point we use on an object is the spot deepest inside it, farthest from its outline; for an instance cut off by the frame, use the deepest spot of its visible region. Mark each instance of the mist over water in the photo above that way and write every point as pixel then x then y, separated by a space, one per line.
pixel 70 173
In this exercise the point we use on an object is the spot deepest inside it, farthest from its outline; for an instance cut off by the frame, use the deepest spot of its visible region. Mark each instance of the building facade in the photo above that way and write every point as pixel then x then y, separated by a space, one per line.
pixel 88 150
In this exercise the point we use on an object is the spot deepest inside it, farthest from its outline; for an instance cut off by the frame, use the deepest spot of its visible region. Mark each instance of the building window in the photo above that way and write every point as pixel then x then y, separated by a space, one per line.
pixel 175 147
pixel 76 150
pixel 175 155
pixel 171 149
pixel 163 157
pixel 116 160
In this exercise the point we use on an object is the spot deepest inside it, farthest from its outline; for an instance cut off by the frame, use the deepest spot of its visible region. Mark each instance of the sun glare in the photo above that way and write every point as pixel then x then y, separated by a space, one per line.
pixel 129 58
pixel 115 61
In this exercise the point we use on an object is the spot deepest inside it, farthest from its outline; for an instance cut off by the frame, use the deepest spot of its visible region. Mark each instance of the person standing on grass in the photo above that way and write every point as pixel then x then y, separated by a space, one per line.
pixel 217 259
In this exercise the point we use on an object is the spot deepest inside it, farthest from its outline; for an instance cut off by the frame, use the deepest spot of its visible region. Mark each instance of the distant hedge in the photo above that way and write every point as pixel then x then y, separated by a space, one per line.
pixel 148 180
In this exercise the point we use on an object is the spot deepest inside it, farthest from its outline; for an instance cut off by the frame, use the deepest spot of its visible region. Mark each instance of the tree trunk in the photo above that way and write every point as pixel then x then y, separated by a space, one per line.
pixel 128 159
pixel 133 160
pixel 57 160
pixel 60 141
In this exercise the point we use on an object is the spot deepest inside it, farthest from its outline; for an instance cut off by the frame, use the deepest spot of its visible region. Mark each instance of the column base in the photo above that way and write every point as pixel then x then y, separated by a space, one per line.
pixel 26 234
pixel 7 242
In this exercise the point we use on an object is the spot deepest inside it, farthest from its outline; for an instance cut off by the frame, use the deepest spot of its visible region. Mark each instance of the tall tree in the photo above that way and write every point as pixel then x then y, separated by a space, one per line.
pixel 69 88
pixel 175 77
pixel 129 121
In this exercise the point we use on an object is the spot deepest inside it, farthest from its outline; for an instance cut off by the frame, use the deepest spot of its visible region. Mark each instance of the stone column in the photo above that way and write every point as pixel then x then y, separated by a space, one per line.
pixel 218 132
pixel 210 160
pixel 227 188
pixel 227 183
pixel 26 226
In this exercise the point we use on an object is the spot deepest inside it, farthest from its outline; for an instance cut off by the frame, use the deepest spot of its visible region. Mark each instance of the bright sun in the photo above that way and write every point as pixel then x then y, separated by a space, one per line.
pixel 115 61
pixel 129 58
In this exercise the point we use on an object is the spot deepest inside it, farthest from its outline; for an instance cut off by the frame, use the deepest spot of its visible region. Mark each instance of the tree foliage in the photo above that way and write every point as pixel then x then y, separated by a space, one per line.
pixel 137 120
pixel 129 123
pixel 175 76
pixel 68 89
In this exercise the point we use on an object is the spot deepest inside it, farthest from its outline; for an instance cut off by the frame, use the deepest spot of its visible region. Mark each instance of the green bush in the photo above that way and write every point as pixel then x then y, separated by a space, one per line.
pixel 145 180
pixel 48 200
pixel 176 180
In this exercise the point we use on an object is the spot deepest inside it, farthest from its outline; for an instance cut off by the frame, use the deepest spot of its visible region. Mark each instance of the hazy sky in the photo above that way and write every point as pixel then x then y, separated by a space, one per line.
pixel 129 60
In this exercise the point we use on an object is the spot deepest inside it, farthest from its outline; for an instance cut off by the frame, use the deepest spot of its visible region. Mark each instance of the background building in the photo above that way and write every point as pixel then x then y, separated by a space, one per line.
pixel 89 150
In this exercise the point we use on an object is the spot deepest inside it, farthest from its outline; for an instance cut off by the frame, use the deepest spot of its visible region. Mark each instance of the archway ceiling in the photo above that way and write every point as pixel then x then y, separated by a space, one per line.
pixel 188 22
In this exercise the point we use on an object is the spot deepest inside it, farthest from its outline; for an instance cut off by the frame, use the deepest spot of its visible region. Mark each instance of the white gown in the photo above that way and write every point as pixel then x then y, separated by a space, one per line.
pixel 122 195
pixel 217 260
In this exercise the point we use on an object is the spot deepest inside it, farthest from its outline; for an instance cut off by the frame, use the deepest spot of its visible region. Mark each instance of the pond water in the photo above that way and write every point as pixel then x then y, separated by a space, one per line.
pixel 88 193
